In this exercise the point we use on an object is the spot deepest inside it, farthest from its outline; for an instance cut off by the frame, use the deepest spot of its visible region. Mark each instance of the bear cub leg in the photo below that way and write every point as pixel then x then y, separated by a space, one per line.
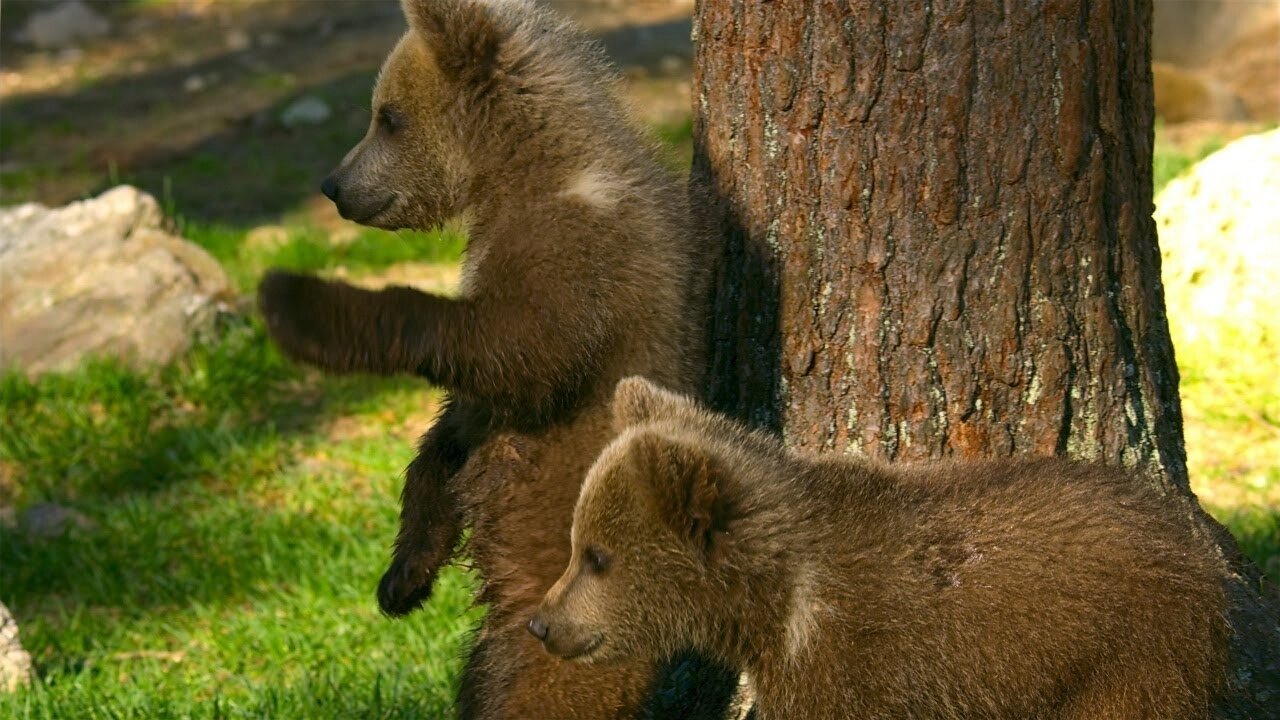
pixel 430 519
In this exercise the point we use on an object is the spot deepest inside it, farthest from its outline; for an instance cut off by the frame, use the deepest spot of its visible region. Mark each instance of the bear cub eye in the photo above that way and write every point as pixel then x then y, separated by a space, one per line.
pixel 389 120
pixel 595 559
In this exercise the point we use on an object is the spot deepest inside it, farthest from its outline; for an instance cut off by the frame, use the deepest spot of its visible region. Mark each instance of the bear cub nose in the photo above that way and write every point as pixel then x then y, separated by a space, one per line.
pixel 330 188
pixel 538 627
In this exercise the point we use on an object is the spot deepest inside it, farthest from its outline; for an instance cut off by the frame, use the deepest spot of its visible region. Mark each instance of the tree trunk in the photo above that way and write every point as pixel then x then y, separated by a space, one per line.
pixel 938 240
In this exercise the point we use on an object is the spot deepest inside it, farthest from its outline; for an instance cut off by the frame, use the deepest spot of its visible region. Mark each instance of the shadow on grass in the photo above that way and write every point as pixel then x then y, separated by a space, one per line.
pixel 167 463
pixel 252 169
pixel 106 428
pixel 217 145
pixel 147 553
pixel 1257 532
pixel 256 169
pixel 222 154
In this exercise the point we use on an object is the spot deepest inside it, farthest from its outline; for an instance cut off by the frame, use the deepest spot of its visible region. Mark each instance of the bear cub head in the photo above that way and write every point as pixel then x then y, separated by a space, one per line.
pixel 649 566
pixel 410 170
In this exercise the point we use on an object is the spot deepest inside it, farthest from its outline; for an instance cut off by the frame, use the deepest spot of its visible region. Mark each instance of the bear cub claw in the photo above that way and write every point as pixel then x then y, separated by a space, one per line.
pixel 405 586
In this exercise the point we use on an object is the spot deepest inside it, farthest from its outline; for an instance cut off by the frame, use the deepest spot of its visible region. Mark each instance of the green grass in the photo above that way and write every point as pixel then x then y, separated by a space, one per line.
pixel 307 248
pixel 107 429
pixel 1231 419
pixel 677 141
pixel 1170 162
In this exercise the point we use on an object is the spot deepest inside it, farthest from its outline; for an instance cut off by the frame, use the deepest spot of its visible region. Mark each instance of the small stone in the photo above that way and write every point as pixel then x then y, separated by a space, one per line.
pixel 238 40
pixel 670 64
pixel 100 277
pixel 45 521
pixel 308 110
pixel 64 25
pixel 194 84
pixel 15 663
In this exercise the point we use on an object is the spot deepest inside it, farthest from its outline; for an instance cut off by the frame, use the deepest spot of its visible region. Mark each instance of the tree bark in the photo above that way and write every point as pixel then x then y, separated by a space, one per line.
pixel 939 242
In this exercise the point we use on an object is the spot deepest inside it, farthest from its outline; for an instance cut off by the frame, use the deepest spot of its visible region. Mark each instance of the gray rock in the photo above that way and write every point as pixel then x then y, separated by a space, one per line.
pixel 15 663
pixel 1219 229
pixel 308 110
pixel 100 277
pixel 64 25
pixel 45 521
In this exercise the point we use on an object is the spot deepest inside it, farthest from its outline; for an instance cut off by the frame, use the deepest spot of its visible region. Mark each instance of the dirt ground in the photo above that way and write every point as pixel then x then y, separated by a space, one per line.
pixel 184 97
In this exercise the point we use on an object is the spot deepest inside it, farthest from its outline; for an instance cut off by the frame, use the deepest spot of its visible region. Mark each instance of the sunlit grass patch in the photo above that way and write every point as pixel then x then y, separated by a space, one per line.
pixel 1231 419
pixel 307 248
pixel 1219 265
pixel 192 600
pixel 1170 162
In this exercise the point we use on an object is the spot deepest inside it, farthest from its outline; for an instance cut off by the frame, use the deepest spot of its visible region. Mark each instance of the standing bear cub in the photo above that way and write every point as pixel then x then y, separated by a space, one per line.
pixel 582 266
pixel 1015 589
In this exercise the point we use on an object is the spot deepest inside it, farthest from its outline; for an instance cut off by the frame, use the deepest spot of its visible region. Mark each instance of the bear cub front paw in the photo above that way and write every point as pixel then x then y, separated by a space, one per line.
pixel 294 306
pixel 406 585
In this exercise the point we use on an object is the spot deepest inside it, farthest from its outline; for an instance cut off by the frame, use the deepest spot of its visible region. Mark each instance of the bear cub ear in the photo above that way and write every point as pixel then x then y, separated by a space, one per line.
pixel 690 487
pixel 637 400
pixel 463 36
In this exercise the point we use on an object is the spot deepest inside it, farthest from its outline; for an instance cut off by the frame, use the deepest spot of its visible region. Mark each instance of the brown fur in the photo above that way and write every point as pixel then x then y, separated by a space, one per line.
pixel 582 267
pixel 1034 588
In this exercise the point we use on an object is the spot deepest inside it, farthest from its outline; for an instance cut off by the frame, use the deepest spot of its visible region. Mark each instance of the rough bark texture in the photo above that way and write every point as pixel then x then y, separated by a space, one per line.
pixel 939 241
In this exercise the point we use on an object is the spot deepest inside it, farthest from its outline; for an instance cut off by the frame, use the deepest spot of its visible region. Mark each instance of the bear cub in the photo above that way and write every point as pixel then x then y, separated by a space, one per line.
pixel 844 588
pixel 586 262
pixel 582 264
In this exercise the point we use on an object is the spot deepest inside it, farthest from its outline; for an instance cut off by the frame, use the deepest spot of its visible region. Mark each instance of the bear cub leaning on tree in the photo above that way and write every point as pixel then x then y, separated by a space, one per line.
pixel 581 266
pixel 585 263
pixel 1034 588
